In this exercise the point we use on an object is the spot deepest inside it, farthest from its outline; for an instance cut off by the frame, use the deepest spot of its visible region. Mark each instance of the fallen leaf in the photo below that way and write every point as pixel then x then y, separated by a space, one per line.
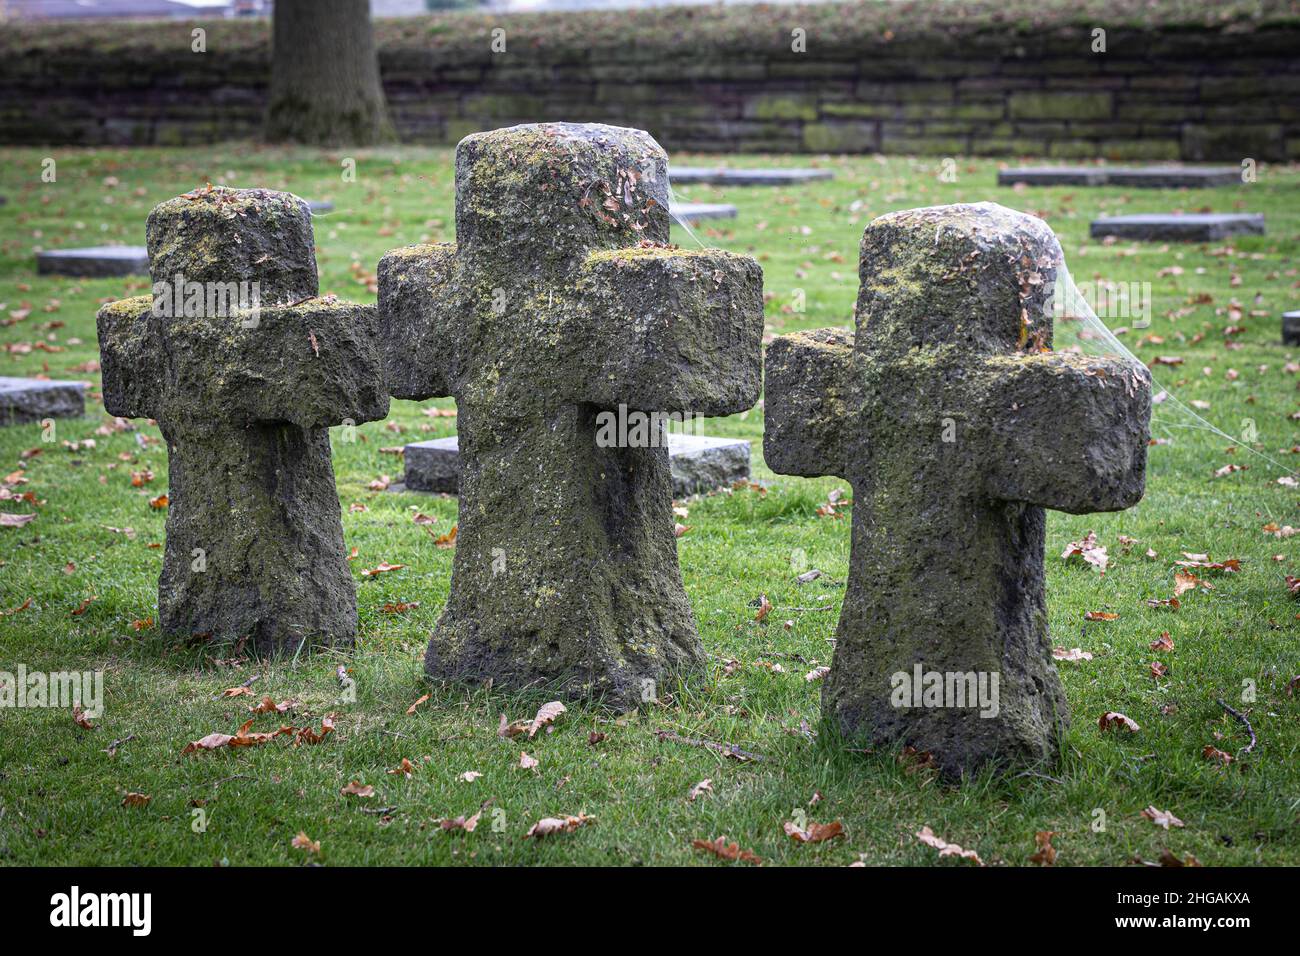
pixel 1073 654
pixel 447 540
pixel 1100 616
pixel 814 833
pixel 382 568
pixel 469 776
pixel 461 822
pixel 136 800
pixel 526 762
pixel 304 842
pixel 10 520
pixel 236 692
pixel 1163 643
pixel 1213 753
pixel 926 836
pixel 816 674
pixel 546 714
pixel 727 851
pixel 1046 854
pixel 552 825
pixel 701 788
pixel 407 769
pixel 412 709
pixel 1161 818
pixel 80 719
pixel 1113 718
pixel 1089 550
pixel 764 608
pixel 358 789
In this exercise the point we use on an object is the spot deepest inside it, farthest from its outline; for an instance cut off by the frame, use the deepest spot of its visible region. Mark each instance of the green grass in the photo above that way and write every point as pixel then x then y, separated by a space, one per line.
pixel 61 794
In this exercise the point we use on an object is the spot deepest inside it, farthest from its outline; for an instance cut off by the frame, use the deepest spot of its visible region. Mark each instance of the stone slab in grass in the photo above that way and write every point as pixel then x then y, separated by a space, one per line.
pixel 1053 176
pixel 698 463
pixel 721 176
pixel 695 211
pixel 1148 177
pixel 1291 328
pixel 24 400
pixel 94 262
pixel 1189 227
pixel 1174 177
pixel 318 206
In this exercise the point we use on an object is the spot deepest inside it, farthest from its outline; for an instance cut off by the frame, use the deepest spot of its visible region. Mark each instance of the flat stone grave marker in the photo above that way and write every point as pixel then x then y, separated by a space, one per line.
pixel 94 262
pixel 695 211
pixel 1187 227
pixel 318 206
pixel 698 463
pixel 1147 177
pixel 24 400
pixel 244 398
pixel 559 302
pixel 956 425
pixel 1291 328
pixel 722 176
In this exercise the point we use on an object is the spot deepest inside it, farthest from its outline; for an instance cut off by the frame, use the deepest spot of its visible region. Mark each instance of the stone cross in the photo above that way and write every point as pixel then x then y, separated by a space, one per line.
pixel 560 302
pixel 956 425
pixel 245 368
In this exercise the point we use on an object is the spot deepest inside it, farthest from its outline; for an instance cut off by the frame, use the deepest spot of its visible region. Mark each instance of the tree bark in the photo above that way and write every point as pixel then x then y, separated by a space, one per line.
pixel 325 87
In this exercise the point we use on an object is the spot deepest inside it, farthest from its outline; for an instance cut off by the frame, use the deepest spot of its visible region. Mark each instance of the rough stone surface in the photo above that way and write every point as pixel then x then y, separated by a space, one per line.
pixel 722 176
pixel 695 211
pixel 244 400
pixel 24 400
pixel 1188 227
pixel 1291 328
pixel 94 262
pixel 698 463
pixel 956 426
pixel 1148 177
pixel 560 301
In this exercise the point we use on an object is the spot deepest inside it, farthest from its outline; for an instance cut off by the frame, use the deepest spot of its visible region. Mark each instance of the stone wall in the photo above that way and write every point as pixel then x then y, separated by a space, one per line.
pixel 1177 80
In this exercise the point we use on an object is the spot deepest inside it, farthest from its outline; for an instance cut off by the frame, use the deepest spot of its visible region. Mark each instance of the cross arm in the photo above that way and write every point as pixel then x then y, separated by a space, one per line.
pixel 809 403
pixel 670 330
pixel 1068 432
pixel 130 358
pixel 312 364
pixel 416 313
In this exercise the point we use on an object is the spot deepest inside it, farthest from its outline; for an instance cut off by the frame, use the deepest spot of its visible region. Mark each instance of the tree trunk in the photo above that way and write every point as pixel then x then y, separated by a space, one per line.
pixel 325 87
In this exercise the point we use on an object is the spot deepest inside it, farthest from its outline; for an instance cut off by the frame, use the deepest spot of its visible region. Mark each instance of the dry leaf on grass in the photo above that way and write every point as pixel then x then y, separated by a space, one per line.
pixel 701 788
pixel 727 851
pixel 407 768
pixel 814 833
pixel 133 799
pixel 548 826
pixel 1161 818
pixel 926 836
pixel 469 776
pixel 546 714
pixel 1046 853
pixel 816 674
pixel 526 762
pixel 411 710
pixel 1213 753
pixel 80 719
pixel 1073 654
pixel 461 822
pixel 1089 550
pixel 358 789
pixel 1113 718
pixel 304 842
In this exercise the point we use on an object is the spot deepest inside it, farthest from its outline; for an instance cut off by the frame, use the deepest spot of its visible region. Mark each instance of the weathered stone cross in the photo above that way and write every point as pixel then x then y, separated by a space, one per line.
pixel 956 426
pixel 561 302
pixel 244 388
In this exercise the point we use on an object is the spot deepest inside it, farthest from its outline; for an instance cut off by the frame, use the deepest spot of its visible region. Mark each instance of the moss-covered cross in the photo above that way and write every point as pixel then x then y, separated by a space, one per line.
pixel 559 302
pixel 956 426
pixel 244 369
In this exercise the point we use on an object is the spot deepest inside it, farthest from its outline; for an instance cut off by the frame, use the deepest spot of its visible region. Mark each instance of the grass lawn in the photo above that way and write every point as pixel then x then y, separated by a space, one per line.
pixel 96 538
